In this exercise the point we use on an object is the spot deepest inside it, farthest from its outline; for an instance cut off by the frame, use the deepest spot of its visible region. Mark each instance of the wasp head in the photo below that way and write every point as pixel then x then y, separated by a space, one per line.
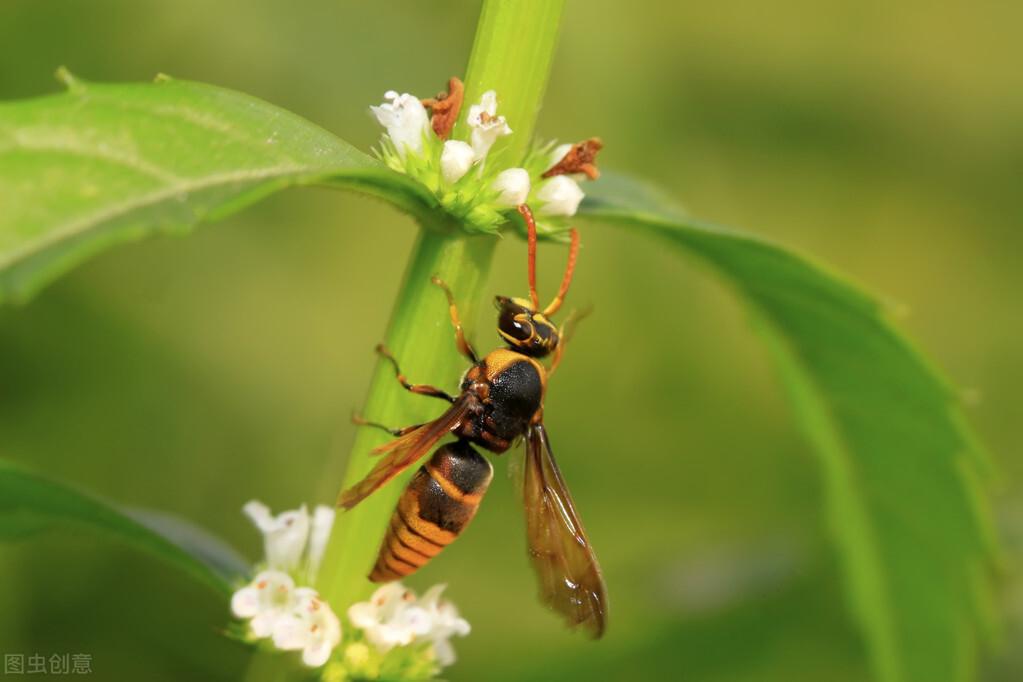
pixel 525 329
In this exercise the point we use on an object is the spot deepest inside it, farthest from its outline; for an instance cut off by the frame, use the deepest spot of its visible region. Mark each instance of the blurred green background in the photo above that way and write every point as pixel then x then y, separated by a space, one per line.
pixel 190 375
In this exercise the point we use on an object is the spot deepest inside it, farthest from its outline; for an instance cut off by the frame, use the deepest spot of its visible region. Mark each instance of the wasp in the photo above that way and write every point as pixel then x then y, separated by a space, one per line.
pixel 501 401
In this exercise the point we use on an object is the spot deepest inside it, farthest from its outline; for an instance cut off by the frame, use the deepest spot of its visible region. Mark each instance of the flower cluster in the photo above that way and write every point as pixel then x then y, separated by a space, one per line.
pixel 395 635
pixel 467 179
pixel 394 616
pixel 294 618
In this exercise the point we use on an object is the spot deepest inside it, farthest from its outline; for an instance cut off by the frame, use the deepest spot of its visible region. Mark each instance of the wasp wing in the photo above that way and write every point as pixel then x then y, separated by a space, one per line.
pixel 402 452
pixel 570 578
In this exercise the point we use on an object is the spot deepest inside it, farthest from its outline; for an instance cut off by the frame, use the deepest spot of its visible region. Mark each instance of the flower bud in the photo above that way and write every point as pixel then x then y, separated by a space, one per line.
pixel 559 196
pixel 455 160
pixel 513 187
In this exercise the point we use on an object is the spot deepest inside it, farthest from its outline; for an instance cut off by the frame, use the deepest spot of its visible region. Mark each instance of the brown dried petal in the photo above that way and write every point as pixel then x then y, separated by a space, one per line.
pixel 445 107
pixel 581 158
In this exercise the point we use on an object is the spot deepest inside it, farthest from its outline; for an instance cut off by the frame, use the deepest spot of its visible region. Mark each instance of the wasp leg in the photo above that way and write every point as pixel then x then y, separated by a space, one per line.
pixel 460 341
pixel 421 389
pixel 359 421
pixel 566 333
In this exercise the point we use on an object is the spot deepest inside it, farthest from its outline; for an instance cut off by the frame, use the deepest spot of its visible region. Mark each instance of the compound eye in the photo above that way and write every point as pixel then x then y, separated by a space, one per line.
pixel 515 325
pixel 545 332
pixel 546 336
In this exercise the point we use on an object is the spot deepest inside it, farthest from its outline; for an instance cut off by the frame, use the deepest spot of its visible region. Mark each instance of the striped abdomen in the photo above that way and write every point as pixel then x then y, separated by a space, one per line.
pixel 438 503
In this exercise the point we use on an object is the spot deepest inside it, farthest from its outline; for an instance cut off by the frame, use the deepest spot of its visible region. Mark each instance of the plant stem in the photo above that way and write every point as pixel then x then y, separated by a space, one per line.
pixel 512 55
pixel 422 340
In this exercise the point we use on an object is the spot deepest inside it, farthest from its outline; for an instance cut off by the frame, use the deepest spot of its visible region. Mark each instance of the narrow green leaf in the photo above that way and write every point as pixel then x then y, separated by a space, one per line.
pixel 199 543
pixel 30 503
pixel 901 469
pixel 99 165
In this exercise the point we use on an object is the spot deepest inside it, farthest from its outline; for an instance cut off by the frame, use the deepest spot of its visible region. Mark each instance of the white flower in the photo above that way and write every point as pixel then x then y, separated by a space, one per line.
pixel 559 196
pixel 394 617
pixel 455 160
pixel 391 617
pixel 406 121
pixel 319 534
pixel 513 185
pixel 310 626
pixel 268 598
pixel 486 125
pixel 284 535
pixel 296 618
pixel 445 623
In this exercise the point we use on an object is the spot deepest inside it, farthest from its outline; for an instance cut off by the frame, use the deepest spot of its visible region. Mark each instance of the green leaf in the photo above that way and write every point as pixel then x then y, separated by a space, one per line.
pixel 901 469
pixel 199 543
pixel 100 165
pixel 30 503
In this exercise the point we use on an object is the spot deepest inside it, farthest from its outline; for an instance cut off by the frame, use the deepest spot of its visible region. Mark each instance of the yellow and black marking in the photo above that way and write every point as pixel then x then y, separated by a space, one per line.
pixel 436 506
pixel 510 388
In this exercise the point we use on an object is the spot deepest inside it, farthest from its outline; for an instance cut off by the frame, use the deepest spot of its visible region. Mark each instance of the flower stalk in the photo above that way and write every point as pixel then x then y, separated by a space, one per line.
pixel 421 337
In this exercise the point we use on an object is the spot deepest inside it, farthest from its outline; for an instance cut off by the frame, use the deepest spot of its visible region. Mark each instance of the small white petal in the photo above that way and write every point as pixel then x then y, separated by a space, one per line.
pixel 310 626
pixel 444 624
pixel 317 654
pixel 485 126
pixel 266 623
pixel 431 598
pixel 489 102
pixel 392 617
pixel 286 542
pixel 455 160
pixel 484 137
pixel 444 652
pixel 319 534
pixel 416 621
pixel 487 105
pixel 290 633
pixel 559 196
pixel 260 515
pixel 245 602
pixel 270 595
pixel 284 535
pixel 460 627
pixel 363 615
pixel 513 186
pixel 406 121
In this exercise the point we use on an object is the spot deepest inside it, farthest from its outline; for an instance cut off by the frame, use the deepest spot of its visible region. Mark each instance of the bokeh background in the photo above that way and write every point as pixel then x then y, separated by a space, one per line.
pixel 189 375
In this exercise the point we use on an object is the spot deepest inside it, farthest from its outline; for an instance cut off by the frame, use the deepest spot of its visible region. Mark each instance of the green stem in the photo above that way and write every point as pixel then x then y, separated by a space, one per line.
pixel 512 55
pixel 422 340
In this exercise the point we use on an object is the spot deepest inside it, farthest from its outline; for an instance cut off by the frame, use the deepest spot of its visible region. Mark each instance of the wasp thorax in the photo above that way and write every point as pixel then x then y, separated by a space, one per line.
pixel 525 329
